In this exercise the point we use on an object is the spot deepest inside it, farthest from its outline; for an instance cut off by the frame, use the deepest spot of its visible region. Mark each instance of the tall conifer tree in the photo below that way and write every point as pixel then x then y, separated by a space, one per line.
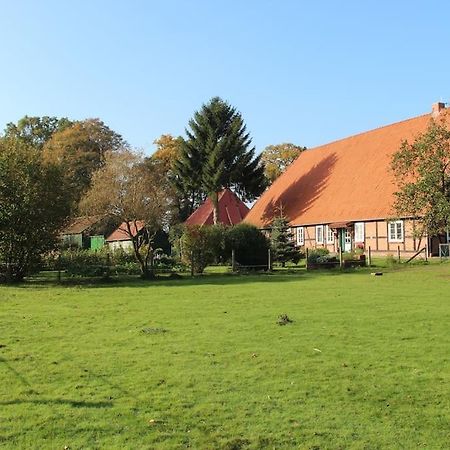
pixel 218 154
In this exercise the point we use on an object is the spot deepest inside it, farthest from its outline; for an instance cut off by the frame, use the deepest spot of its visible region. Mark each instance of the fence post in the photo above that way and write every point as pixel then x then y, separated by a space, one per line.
pixel 192 263
pixel 398 252
pixel 341 261
pixel 108 266
pixel 59 267
pixel 369 260
pixel 306 261
pixel 233 261
pixel 269 260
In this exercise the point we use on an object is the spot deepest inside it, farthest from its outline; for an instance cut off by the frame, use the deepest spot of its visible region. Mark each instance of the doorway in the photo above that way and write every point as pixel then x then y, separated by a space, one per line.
pixel 345 239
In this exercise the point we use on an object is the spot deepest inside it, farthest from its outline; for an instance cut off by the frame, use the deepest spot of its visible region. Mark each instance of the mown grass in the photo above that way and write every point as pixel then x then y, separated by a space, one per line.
pixel 203 364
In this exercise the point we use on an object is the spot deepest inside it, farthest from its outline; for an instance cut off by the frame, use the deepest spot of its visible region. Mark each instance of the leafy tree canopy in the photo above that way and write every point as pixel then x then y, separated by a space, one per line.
pixel 168 150
pixel 127 188
pixel 36 131
pixel 33 207
pixel 249 243
pixel 276 159
pixel 80 149
pixel 422 172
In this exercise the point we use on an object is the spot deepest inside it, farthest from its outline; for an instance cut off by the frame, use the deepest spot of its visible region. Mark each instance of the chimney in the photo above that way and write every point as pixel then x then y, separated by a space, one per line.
pixel 436 108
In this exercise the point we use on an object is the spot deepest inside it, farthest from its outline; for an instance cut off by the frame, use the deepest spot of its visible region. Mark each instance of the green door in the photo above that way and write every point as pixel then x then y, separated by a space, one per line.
pixel 97 242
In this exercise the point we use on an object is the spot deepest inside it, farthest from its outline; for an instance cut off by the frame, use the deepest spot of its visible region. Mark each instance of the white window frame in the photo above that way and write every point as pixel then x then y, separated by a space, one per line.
pixel 329 233
pixel 319 241
pixel 300 236
pixel 359 232
pixel 398 226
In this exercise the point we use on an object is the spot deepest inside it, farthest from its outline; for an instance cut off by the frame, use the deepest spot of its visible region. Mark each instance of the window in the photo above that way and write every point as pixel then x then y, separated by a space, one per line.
pixel 395 231
pixel 300 236
pixel 319 234
pixel 330 234
pixel 359 232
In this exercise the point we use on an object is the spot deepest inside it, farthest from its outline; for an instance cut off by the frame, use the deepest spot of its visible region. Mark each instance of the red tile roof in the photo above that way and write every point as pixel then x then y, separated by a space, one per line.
pixel 346 180
pixel 232 210
pixel 121 233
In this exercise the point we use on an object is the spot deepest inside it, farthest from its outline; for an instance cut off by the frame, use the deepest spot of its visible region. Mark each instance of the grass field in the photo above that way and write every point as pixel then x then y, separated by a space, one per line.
pixel 203 364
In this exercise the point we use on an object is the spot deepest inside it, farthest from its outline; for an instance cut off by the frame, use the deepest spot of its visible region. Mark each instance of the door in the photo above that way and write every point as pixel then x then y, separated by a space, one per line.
pixel 348 240
pixel 345 239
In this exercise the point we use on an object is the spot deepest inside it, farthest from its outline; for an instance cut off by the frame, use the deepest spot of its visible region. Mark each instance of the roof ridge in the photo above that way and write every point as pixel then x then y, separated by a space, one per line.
pixel 370 131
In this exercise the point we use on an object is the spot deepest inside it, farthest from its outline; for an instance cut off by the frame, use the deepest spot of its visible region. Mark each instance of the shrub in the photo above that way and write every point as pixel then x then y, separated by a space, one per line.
pixel 390 260
pixel 83 263
pixel 249 243
pixel 202 245
pixel 318 255
pixel 348 256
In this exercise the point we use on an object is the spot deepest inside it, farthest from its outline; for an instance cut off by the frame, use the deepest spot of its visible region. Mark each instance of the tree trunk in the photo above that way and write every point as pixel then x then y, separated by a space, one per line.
pixel 215 202
pixel 137 244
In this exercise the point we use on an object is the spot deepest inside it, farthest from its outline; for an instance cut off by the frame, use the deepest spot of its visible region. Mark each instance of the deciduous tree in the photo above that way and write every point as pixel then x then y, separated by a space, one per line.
pixel 80 150
pixel 277 158
pixel 36 131
pixel 168 152
pixel 127 188
pixel 33 207
pixel 422 172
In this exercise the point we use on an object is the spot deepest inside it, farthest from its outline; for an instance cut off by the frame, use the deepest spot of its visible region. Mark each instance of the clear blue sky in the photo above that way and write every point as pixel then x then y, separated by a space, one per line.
pixel 307 72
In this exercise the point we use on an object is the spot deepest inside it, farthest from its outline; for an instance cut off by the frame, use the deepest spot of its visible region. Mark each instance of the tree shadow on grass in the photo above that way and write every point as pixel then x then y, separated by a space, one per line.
pixel 24 381
pixel 17 374
pixel 186 280
pixel 223 279
pixel 58 401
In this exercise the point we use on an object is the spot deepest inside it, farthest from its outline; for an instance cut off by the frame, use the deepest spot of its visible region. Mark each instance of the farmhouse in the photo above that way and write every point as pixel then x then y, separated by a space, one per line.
pixel 232 210
pixel 340 195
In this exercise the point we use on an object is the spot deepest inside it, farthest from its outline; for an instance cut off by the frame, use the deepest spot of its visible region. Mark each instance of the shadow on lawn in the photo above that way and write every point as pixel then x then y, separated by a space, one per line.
pixel 58 401
pixel 73 403
pixel 17 374
pixel 223 279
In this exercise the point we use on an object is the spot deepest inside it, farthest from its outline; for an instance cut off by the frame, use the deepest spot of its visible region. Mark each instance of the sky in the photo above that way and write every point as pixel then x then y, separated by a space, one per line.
pixel 306 72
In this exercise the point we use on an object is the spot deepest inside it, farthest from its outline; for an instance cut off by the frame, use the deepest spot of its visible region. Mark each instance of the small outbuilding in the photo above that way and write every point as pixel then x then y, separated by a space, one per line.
pixel 87 232
pixel 120 238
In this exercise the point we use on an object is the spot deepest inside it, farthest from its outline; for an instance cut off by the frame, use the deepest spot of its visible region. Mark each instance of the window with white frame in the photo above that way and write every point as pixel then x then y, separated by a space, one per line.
pixel 300 236
pixel 395 231
pixel 319 234
pixel 330 234
pixel 359 232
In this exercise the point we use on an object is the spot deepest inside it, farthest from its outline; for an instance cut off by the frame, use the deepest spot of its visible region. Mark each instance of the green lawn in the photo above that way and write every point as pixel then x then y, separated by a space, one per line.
pixel 203 364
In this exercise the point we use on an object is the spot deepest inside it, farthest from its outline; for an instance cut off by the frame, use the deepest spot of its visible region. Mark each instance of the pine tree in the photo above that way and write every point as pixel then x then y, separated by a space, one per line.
pixel 217 154
pixel 282 244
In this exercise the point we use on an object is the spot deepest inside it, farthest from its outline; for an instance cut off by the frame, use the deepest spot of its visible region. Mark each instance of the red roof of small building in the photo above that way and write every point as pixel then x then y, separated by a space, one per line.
pixel 121 233
pixel 232 210
pixel 343 181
